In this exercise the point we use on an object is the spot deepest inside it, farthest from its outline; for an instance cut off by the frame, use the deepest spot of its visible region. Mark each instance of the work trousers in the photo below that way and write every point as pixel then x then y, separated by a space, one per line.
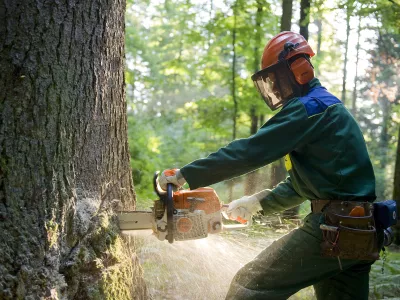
pixel 294 262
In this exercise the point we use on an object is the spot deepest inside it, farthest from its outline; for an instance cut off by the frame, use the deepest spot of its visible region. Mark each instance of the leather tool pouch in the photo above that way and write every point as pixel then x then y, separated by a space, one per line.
pixel 349 237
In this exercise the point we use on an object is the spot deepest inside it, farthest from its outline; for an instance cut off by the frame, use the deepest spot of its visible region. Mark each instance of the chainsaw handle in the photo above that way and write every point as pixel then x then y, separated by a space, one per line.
pixel 156 187
pixel 168 200
pixel 243 223
pixel 170 212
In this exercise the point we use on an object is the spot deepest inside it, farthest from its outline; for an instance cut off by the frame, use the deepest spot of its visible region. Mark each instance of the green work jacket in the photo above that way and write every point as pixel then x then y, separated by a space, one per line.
pixel 325 154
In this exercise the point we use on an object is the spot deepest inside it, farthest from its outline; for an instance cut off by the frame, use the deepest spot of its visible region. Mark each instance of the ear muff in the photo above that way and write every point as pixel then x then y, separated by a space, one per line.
pixel 303 70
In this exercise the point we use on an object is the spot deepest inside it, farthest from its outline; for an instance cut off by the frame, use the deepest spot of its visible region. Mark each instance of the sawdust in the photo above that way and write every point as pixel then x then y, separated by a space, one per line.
pixel 198 269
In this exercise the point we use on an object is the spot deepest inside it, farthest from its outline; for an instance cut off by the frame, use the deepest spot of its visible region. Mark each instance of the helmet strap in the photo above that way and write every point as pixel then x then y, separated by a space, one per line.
pixel 287 48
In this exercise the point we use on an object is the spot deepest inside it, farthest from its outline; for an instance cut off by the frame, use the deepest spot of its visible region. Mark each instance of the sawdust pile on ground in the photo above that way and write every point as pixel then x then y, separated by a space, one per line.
pixel 199 269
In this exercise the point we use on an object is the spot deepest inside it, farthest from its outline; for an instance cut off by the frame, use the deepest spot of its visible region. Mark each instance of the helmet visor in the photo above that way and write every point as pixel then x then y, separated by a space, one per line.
pixel 274 84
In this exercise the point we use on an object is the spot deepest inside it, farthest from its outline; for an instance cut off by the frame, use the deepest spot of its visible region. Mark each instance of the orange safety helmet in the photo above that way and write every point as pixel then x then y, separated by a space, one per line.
pixel 285 67
pixel 276 45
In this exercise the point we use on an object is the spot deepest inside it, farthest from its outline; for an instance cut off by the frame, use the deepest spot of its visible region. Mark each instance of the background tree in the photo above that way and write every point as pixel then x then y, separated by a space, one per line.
pixel 252 178
pixel 64 162
pixel 355 89
pixel 179 81
pixel 396 186
pixel 277 169
pixel 190 103
pixel 348 7
pixel 286 18
pixel 381 85
pixel 305 6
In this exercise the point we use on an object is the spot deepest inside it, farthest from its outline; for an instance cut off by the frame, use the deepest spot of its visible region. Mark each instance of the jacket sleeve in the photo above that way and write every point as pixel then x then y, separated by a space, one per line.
pixel 282 197
pixel 285 131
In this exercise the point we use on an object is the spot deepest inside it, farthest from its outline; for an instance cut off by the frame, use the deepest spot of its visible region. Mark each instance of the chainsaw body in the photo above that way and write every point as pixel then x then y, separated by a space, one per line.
pixel 180 215
pixel 196 213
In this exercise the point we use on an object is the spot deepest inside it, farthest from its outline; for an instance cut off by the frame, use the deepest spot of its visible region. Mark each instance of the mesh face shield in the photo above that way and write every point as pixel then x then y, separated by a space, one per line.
pixel 276 84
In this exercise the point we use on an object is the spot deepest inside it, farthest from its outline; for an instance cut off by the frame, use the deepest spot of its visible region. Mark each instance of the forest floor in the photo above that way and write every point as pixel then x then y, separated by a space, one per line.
pixel 203 269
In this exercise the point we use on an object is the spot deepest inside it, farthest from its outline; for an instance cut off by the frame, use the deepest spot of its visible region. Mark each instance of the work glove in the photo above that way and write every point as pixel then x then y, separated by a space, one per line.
pixel 173 176
pixel 243 209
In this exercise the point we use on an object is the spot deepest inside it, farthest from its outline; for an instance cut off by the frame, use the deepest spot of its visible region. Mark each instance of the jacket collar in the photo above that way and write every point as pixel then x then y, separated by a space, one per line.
pixel 312 84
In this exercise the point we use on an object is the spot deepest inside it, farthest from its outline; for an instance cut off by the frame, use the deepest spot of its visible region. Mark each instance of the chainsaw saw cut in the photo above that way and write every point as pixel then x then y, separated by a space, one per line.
pixel 180 215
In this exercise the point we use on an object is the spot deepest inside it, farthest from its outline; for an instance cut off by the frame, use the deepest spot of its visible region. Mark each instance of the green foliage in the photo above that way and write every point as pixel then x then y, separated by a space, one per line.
pixel 179 79
pixel 385 284
pixel 387 12
pixel 378 116
pixel 180 76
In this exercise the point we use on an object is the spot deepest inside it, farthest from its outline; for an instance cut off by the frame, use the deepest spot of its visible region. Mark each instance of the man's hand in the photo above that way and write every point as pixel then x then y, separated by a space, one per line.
pixel 173 176
pixel 242 209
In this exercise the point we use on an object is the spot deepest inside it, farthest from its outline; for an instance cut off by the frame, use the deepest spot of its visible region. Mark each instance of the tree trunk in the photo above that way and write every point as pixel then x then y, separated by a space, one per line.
pixel 233 89
pixel 64 161
pixel 209 31
pixel 346 48
pixel 278 172
pixel 318 23
pixel 396 187
pixel 257 57
pixel 384 141
pixel 286 19
pixel 251 178
pixel 304 17
pixel 354 104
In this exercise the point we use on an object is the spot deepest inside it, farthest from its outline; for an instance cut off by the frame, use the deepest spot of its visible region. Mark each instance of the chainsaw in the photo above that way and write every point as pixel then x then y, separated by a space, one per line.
pixel 180 215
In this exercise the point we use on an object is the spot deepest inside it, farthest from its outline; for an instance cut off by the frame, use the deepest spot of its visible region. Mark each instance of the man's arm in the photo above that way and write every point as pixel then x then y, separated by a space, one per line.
pixel 284 132
pixel 282 197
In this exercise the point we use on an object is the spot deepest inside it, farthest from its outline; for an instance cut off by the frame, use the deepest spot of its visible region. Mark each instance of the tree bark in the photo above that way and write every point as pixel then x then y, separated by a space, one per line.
pixel 233 87
pixel 286 19
pixel 354 102
pixel 210 17
pixel 396 188
pixel 318 23
pixel 64 161
pixel 252 178
pixel 346 48
pixel 304 17
pixel 277 170
pixel 396 185
pixel 386 108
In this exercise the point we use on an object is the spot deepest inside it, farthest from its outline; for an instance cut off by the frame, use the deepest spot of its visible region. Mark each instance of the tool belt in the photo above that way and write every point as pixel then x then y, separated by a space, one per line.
pixel 345 235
